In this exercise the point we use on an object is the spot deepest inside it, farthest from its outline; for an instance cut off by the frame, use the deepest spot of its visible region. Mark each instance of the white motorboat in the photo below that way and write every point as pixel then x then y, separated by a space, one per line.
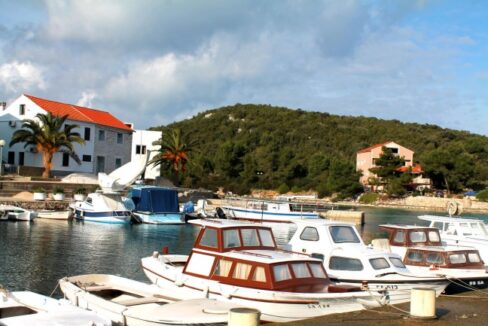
pixel 107 204
pixel 29 308
pixel 269 211
pixel 53 215
pixel 239 262
pixel 14 213
pixel 128 302
pixel 458 231
pixel 422 251
pixel 348 260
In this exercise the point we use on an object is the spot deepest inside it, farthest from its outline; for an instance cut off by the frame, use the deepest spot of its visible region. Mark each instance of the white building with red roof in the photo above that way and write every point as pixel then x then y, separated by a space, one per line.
pixel 107 145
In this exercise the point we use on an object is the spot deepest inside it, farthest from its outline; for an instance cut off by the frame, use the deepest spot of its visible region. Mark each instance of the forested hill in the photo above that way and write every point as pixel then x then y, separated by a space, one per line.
pixel 248 146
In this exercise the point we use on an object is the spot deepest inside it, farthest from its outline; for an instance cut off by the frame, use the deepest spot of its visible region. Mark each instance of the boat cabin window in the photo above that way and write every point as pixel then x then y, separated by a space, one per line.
pixel 415 256
pixel 397 262
pixel 281 272
pixel 309 234
pixel 399 237
pixel 223 268
pixel 250 237
pixel 474 257
pixel 242 271
pixel 209 238
pixel 200 264
pixel 435 258
pixel 300 270
pixel 457 258
pixel 317 270
pixel 231 238
pixel 434 236
pixel 345 264
pixel 379 263
pixel 259 274
pixel 418 236
pixel 438 225
pixel 266 238
pixel 89 200
pixel 344 234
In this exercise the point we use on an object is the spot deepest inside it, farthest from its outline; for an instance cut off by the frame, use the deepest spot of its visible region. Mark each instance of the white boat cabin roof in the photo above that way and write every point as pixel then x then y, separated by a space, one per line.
pixel 266 256
pixel 448 219
pixel 320 222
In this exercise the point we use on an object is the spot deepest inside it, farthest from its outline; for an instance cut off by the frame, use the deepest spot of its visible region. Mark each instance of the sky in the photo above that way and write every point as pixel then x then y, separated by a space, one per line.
pixel 153 62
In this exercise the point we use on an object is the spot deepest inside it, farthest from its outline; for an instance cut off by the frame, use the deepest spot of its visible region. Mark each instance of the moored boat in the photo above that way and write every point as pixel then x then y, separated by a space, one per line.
pixel 53 214
pixel 239 262
pixel 128 302
pixel 14 213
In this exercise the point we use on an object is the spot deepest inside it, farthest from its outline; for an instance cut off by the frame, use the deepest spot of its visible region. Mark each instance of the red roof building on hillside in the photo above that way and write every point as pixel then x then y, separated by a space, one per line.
pixel 79 113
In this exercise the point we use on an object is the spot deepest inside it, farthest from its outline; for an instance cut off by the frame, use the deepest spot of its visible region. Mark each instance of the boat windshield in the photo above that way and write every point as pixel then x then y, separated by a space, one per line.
pixel 345 264
pixel 244 237
pixel 379 263
pixel 397 262
pixel 344 234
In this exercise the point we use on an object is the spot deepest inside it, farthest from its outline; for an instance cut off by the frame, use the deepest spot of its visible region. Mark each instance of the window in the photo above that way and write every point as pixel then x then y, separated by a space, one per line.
pixel 415 256
pixel 101 135
pixel 11 158
pixel 345 264
pixel 434 236
pixel 21 158
pixel 250 237
pixel 397 262
pixel 474 257
pixel 266 238
pixel 281 272
pixel 118 162
pixel 65 159
pixel 86 158
pixel 22 109
pixel 457 258
pixel 259 274
pixel 301 270
pixel 434 258
pixel 120 138
pixel 231 239
pixel 418 236
pixel 200 264
pixel 87 134
pixel 141 149
pixel 317 270
pixel 399 237
pixel 223 268
pixel 309 234
pixel 209 238
pixel 344 234
pixel 241 271
pixel 89 200
pixel 379 263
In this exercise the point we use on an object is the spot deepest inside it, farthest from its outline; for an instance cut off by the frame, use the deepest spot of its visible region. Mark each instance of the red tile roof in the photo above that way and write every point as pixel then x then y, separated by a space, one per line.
pixel 368 149
pixel 416 169
pixel 79 113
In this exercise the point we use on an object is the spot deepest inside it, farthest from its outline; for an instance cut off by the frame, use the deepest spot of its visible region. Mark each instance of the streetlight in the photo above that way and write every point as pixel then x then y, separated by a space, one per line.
pixel 2 143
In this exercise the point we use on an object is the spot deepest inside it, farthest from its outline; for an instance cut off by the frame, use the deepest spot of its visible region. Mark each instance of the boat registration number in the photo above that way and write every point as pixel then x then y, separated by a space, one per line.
pixel 386 287
pixel 476 282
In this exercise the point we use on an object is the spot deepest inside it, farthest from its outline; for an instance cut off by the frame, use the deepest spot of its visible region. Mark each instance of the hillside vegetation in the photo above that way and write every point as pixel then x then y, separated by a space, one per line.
pixel 242 147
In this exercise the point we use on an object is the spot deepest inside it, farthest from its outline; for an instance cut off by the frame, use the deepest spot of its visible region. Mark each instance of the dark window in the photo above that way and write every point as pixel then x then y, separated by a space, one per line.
pixel 344 234
pixel 22 109
pixel 345 264
pixel 309 234
pixel 101 135
pixel 118 163
pixel 209 238
pixel 100 164
pixel 138 149
pixel 120 138
pixel 141 149
pixel 21 159
pixel 379 263
pixel 393 150
pixel 399 237
pixel 11 158
pixel 86 158
pixel 87 133
pixel 65 159
pixel 415 256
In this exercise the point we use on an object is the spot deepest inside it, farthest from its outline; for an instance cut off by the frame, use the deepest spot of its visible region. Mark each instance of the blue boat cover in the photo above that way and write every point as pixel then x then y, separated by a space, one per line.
pixel 155 199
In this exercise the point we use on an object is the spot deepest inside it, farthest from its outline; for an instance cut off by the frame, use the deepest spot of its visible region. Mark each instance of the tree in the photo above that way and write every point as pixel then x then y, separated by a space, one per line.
pixel 343 179
pixel 49 137
pixel 387 169
pixel 174 151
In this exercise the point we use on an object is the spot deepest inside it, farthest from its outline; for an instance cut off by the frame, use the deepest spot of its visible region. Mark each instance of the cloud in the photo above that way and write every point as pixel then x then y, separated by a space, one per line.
pixel 87 98
pixel 19 77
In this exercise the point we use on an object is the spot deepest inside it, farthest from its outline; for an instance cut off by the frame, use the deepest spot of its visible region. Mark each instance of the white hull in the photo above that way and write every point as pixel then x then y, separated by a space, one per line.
pixel 274 306
pixel 13 213
pixel 53 215
pixel 267 216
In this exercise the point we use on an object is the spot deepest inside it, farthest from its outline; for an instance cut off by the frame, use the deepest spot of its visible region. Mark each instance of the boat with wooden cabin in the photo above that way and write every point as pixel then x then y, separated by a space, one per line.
pixel 240 263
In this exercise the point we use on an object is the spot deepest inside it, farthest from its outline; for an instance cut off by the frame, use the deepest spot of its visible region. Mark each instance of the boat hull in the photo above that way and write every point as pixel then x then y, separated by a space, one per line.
pixel 274 306
pixel 53 215
pixel 266 216
pixel 110 217
pixel 161 218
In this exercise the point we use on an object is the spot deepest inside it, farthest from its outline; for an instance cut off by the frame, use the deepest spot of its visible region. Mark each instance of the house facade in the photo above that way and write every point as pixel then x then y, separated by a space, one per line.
pixel 142 141
pixel 107 145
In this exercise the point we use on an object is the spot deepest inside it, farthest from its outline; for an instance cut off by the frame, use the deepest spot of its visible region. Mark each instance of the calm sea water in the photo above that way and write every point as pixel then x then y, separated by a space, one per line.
pixel 33 256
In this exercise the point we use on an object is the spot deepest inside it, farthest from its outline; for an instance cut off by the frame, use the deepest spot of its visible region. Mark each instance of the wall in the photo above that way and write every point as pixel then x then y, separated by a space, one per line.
pixel 147 137
pixel 110 149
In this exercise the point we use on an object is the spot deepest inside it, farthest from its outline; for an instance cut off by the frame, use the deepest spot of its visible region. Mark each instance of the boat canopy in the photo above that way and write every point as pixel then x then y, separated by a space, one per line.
pixel 155 199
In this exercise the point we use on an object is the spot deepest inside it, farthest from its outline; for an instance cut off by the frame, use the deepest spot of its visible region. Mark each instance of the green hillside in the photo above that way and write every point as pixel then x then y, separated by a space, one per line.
pixel 260 146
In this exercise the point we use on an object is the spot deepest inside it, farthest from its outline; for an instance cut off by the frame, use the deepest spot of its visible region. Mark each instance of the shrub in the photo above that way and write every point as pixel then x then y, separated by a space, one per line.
pixel 80 191
pixel 39 190
pixel 283 188
pixel 295 189
pixel 482 195
pixel 369 198
pixel 58 190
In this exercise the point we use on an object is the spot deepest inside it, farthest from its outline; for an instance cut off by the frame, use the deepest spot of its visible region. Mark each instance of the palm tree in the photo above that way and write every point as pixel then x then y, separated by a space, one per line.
pixel 49 137
pixel 174 151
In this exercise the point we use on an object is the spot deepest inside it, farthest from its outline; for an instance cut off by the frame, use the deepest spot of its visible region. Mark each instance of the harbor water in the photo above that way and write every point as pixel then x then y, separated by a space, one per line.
pixel 33 256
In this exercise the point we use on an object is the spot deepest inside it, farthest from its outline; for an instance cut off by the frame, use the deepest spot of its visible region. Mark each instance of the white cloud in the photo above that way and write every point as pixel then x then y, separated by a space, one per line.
pixel 87 98
pixel 19 77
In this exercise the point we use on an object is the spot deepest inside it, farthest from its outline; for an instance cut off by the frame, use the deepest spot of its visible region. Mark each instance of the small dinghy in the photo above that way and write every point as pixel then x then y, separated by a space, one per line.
pixel 128 302
pixel 53 215
pixel 29 308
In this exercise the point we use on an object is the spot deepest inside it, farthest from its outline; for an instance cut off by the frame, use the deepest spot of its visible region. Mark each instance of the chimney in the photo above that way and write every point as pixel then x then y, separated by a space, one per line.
pixel 3 106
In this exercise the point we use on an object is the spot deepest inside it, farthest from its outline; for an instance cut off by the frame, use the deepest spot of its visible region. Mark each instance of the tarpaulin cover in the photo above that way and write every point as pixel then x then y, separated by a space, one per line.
pixel 155 200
